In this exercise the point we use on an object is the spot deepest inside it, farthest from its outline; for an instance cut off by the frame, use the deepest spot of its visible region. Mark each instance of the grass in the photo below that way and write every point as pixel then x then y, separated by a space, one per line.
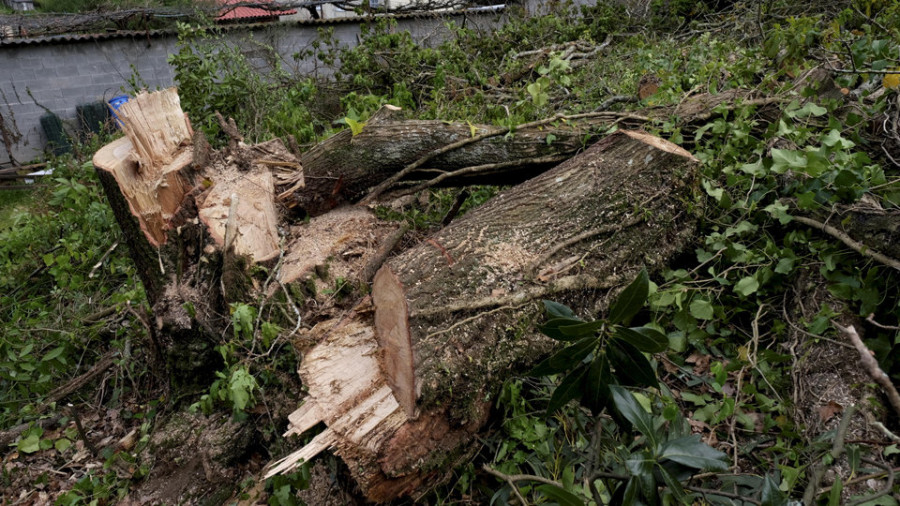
pixel 12 202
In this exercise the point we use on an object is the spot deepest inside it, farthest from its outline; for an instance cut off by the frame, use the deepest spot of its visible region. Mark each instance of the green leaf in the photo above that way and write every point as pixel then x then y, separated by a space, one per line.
pixel 771 495
pixel 834 138
pixel 562 496
pixel 595 394
pixel 29 444
pixel 673 484
pixel 644 339
pixel 630 364
pixel 568 389
pixel 779 211
pixel 701 309
pixel 747 286
pixel 54 353
pixel 553 329
pixel 62 444
pixel 785 266
pixel 240 386
pixel 631 409
pixel 566 358
pixel 754 169
pixel 785 159
pixel 557 310
pixel 582 329
pixel 690 451
pixel 642 471
pixel 808 109
pixel 356 127
pixel 834 498
pixel 631 300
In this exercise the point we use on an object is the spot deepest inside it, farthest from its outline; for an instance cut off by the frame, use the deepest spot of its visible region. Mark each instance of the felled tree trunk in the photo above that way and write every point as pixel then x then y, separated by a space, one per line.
pixel 343 168
pixel 405 382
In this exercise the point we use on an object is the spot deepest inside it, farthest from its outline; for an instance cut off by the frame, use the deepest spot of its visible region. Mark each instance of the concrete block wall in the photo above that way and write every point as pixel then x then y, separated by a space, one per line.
pixel 63 75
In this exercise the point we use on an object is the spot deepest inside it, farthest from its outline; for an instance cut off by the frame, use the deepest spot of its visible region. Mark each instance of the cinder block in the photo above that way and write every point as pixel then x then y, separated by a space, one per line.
pixel 45 97
pixel 67 71
pixel 31 63
pixel 106 79
pixel 21 74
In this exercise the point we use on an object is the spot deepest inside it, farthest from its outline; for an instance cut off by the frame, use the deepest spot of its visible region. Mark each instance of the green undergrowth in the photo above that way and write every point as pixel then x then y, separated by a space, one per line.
pixel 735 302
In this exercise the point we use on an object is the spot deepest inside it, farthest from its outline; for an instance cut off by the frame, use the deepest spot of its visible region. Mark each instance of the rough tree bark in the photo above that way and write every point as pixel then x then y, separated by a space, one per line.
pixel 449 320
pixel 405 378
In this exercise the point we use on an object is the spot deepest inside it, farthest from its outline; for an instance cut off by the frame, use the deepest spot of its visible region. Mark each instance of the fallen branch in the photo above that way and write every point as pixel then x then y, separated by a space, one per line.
pixel 849 242
pixel 884 490
pixel 76 383
pixel 871 365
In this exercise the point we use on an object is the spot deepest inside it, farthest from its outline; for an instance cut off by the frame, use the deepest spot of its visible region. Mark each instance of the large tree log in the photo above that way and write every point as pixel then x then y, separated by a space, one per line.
pixel 344 167
pixel 404 388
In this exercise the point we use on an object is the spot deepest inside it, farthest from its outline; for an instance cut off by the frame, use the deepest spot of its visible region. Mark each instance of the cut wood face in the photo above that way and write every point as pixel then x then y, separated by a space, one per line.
pixel 147 163
pixel 255 220
pixel 392 331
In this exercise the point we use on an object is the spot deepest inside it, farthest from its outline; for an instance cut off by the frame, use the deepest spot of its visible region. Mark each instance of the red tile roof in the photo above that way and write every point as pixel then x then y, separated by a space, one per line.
pixel 243 12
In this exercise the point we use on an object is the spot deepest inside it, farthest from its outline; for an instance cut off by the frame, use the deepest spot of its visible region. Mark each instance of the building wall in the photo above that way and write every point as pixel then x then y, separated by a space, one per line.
pixel 63 75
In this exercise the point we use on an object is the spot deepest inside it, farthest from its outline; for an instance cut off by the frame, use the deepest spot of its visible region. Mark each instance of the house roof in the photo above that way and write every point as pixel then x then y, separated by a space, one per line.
pixel 232 9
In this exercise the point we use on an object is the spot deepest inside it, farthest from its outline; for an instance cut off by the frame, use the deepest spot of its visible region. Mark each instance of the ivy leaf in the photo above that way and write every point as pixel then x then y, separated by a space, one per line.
pixel 568 389
pixel 644 339
pixel 566 358
pixel 595 394
pixel 785 159
pixel 630 364
pixel 779 211
pixel 834 138
pixel 808 109
pixel 557 310
pixel 562 496
pixel 747 286
pixel 690 451
pixel 632 410
pixel 631 300
pixel 62 444
pixel 29 444
pixel 356 127
pixel 701 309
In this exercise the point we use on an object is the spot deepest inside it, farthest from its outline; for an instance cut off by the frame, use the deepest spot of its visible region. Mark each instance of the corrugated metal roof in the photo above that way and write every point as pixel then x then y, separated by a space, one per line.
pixel 246 12
pixel 124 34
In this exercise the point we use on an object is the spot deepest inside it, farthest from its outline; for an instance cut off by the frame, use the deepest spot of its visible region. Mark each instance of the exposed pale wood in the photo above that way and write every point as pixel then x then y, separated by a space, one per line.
pixel 344 231
pixel 147 163
pixel 392 331
pixel 320 443
pixel 255 219
pixel 346 391
pixel 156 126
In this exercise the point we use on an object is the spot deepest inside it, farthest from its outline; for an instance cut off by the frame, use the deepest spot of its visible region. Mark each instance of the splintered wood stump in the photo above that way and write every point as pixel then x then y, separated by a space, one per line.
pixel 194 219
pixel 404 382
